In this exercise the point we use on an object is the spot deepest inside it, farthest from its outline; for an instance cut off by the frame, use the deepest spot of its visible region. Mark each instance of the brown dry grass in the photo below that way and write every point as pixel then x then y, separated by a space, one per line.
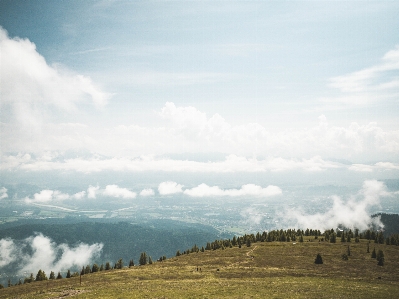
pixel 265 270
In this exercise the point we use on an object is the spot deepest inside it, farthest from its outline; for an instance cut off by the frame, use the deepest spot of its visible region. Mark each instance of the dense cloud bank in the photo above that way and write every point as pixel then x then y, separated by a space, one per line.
pixel 40 252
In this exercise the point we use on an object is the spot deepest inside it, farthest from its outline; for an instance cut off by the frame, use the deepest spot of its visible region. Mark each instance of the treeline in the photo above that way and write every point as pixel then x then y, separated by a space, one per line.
pixel 297 235
pixel 41 275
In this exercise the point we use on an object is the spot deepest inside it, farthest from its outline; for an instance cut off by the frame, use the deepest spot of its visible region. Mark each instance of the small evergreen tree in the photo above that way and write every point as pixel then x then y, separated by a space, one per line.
pixel 95 268
pixel 319 259
pixel 131 263
pixel 59 276
pixel 301 238
pixel 333 238
pixel 349 251
pixel 150 260
pixel 87 269
pixel 102 267
pixel 52 275
pixel 68 274
pixel 119 264
pixel 343 240
pixel 248 242
pixel 143 259
pixel 373 254
pixel 178 253
pixel 9 284
pixel 107 266
pixel 40 276
pixel 380 258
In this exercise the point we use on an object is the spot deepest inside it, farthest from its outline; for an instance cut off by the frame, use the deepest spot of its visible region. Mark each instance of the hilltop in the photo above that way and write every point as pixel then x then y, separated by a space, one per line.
pixel 263 270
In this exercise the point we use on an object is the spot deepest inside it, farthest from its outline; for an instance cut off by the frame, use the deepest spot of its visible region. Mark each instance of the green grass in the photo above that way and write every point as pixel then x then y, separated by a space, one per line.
pixel 264 270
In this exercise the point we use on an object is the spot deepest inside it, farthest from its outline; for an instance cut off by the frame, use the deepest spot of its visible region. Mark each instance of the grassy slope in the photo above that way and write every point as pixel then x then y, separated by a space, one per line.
pixel 279 270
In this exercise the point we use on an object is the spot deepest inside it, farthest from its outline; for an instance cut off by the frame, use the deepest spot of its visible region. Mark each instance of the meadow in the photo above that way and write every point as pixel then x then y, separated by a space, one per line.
pixel 263 270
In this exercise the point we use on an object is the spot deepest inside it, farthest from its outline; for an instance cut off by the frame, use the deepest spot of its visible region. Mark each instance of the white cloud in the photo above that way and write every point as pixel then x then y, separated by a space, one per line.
pixel 46 255
pixel 115 191
pixel 147 192
pixel 354 213
pixel 79 195
pixel 361 168
pixel 3 193
pixel 46 196
pixel 376 83
pixel 166 188
pixel 204 190
pixel 92 191
pixel 7 252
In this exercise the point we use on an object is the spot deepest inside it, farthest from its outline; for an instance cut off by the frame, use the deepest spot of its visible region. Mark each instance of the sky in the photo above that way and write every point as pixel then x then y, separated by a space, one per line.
pixel 208 90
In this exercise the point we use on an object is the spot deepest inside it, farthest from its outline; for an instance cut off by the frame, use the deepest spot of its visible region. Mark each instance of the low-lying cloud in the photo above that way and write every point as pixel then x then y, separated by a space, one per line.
pixel 204 190
pixel 3 193
pixel 40 252
pixel 167 188
pixel 353 213
pixel 115 191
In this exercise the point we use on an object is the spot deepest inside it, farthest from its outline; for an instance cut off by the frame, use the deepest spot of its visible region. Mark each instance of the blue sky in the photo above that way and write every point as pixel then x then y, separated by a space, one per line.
pixel 200 87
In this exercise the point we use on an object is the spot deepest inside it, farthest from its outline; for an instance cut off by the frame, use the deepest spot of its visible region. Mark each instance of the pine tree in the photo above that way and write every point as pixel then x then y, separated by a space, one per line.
pixel 52 275
pixel 373 254
pixel 119 264
pixel 343 237
pixel 9 284
pixel 150 260
pixel 68 274
pixel 131 263
pixel 319 259
pixel 248 242
pixel 143 259
pixel 102 267
pixel 301 238
pixel 349 251
pixel 95 268
pixel 87 269
pixel 40 276
pixel 59 276
pixel 107 266
pixel 380 258
pixel 333 238
pixel 178 253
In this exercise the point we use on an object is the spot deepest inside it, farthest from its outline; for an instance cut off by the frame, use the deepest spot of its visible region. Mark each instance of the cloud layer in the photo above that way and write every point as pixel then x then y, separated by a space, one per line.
pixel 45 254
pixel 353 213
pixel 252 190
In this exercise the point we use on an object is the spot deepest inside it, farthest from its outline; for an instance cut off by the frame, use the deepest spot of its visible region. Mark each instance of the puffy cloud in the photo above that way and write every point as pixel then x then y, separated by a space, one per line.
pixel 3 193
pixel 7 252
pixel 166 188
pixel 28 79
pixel 46 255
pixel 92 191
pixel 353 213
pixel 204 190
pixel 46 196
pixel 79 195
pixel 115 191
pixel 147 192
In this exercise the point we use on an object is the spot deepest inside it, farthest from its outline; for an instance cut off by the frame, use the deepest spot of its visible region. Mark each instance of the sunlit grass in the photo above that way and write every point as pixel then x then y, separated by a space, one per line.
pixel 272 270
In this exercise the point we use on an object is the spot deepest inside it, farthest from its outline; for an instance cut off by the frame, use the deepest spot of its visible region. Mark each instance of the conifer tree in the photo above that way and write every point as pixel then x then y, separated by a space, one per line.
pixel 59 276
pixel 150 260
pixel 131 263
pixel 87 269
pixel 68 274
pixel 348 251
pixel 248 242
pixel 102 267
pixel 143 259
pixel 9 284
pixel 119 264
pixel 107 266
pixel 333 238
pixel 373 254
pixel 343 237
pixel 380 258
pixel 95 268
pixel 178 253
pixel 40 276
pixel 82 272
pixel 319 259
pixel 301 238
pixel 52 275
